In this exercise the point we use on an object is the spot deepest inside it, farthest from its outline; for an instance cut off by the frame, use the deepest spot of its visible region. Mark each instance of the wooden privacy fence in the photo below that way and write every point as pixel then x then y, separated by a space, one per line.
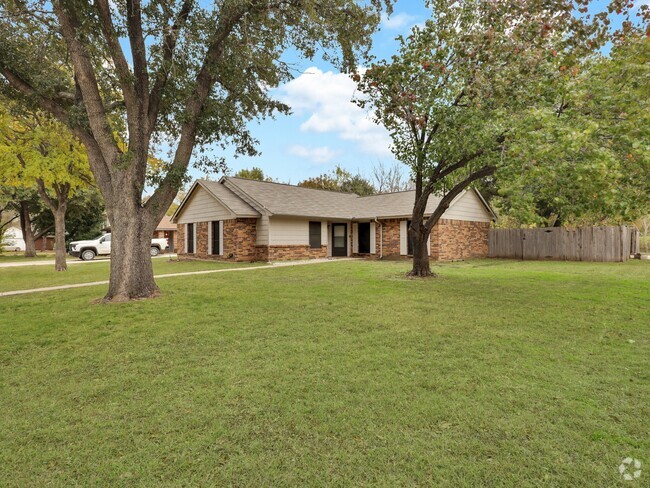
pixel 581 244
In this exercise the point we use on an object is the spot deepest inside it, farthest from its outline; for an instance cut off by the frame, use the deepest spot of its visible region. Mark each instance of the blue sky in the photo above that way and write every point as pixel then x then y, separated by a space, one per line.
pixel 325 127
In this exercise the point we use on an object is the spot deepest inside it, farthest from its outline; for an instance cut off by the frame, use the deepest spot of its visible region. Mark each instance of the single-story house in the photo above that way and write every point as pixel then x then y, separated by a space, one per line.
pixel 248 220
pixel 166 229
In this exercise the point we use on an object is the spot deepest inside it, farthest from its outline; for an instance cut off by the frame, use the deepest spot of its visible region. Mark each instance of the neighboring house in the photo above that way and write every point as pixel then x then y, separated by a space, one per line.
pixel 12 240
pixel 164 229
pixel 248 220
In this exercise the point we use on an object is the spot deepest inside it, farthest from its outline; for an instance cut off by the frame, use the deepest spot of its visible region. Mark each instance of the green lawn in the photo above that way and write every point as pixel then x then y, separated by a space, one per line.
pixel 21 278
pixel 498 373
pixel 12 257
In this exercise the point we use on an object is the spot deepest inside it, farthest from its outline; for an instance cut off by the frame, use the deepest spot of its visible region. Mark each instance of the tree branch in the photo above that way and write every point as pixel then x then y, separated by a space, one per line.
pixel 454 192
pixel 115 49
pixel 162 75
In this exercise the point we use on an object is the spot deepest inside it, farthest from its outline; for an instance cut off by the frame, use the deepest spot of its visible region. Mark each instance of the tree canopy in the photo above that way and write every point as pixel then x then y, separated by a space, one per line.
pixel 465 91
pixel 340 180
pixel 181 74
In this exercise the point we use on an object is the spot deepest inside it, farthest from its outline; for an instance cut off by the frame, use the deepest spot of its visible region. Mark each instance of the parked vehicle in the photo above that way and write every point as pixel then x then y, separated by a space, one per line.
pixel 13 240
pixel 101 246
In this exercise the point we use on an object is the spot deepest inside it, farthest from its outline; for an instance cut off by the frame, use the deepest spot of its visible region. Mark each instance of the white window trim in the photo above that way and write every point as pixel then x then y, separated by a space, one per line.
pixel 210 238
pixel 193 234
pixel 221 237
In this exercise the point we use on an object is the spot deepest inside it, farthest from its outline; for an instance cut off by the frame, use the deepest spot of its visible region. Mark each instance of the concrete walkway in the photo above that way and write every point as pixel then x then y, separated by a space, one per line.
pixel 69 260
pixel 187 273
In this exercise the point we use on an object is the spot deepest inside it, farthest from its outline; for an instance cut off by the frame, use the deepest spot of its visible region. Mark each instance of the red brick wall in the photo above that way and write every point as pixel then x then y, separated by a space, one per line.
pixel 460 239
pixel 239 236
pixel 287 253
pixel 390 233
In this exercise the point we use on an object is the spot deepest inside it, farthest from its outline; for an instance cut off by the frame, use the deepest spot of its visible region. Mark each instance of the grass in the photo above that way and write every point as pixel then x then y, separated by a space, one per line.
pixel 25 277
pixel 498 373
pixel 644 244
pixel 12 257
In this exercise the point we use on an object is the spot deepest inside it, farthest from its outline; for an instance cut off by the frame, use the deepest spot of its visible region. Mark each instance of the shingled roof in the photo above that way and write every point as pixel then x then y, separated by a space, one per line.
pixel 248 198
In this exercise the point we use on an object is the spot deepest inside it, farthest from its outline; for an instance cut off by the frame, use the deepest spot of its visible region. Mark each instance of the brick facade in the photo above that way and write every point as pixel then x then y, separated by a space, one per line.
pixel 288 253
pixel 461 239
pixel 450 240
pixel 239 236
pixel 391 233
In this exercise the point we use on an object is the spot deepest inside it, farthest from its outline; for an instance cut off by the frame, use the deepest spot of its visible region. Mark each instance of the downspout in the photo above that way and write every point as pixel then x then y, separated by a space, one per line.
pixel 381 239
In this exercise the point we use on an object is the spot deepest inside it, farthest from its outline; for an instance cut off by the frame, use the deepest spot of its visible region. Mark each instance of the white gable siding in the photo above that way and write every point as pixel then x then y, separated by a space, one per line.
pixel 403 236
pixel 290 231
pixel 263 231
pixel 285 231
pixel 202 207
pixel 468 207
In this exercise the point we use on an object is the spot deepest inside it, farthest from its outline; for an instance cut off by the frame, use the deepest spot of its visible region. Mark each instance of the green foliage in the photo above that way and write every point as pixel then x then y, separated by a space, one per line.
pixel 340 180
pixel 84 218
pixel 34 148
pixel 474 91
pixel 591 164
pixel 230 51
pixel 253 173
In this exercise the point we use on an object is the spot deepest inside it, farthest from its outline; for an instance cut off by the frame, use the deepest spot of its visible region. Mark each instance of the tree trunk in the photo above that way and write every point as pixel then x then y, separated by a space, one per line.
pixel 28 233
pixel 421 266
pixel 60 263
pixel 131 266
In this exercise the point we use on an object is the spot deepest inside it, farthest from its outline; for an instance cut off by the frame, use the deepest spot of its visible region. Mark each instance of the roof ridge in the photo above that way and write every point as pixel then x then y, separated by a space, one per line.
pixel 292 186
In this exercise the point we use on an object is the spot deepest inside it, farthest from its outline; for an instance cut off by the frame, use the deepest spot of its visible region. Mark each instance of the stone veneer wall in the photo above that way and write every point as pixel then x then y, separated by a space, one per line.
pixel 461 239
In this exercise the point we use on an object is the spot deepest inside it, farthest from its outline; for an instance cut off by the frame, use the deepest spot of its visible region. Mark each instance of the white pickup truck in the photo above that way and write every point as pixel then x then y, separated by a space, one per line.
pixel 101 246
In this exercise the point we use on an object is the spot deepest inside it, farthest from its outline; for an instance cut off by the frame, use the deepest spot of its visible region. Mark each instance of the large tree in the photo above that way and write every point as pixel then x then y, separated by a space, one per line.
pixel 591 164
pixel 180 73
pixel 36 150
pixel 465 86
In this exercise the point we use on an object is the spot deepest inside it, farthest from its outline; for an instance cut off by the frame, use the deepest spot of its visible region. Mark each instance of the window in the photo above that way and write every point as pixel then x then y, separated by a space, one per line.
pixel 215 238
pixel 189 237
pixel 314 235
pixel 409 241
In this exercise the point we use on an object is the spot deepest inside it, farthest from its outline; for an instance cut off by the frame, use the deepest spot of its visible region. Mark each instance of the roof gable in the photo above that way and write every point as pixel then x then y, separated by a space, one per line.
pixel 253 198
pixel 231 203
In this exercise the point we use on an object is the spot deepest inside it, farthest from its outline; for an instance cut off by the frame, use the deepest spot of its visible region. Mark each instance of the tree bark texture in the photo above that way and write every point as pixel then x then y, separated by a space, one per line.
pixel 28 232
pixel 60 263
pixel 131 266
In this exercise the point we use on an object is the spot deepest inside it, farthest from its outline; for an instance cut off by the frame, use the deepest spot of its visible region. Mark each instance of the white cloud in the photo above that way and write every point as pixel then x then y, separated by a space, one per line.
pixel 397 21
pixel 319 155
pixel 327 98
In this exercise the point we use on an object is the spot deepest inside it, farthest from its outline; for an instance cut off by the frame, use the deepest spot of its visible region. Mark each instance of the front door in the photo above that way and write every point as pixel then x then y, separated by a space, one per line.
pixel 339 240
pixel 364 237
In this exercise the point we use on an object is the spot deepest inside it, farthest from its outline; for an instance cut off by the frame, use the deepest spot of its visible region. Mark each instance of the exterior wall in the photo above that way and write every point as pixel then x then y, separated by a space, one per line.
pixel 288 253
pixel 290 231
pixel 263 231
pixel 391 238
pixel 460 239
pixel 202 207
pixel 449 240
pixel 239 236
pixel 468 207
